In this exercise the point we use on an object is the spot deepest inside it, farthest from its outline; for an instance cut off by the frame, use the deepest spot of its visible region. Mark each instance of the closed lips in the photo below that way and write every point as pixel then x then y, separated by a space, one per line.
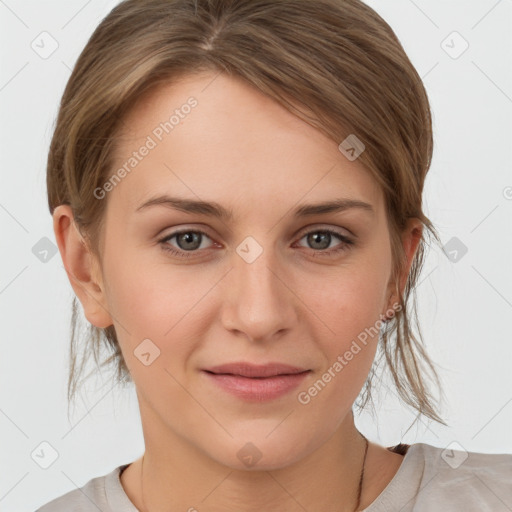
pixel 256 371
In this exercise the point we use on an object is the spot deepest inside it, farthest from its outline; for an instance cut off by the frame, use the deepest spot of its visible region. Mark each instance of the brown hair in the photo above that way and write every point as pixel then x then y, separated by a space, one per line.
pixel 334 63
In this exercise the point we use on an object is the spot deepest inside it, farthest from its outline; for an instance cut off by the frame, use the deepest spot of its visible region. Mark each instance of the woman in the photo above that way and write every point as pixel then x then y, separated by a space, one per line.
pixel 236 188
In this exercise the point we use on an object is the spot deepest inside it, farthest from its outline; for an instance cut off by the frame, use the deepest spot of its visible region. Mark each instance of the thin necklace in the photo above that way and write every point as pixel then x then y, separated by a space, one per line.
pixel 358 492
pixel 362 473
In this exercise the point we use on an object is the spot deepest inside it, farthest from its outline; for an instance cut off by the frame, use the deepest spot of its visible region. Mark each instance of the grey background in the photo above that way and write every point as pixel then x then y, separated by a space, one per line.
pixel 465 305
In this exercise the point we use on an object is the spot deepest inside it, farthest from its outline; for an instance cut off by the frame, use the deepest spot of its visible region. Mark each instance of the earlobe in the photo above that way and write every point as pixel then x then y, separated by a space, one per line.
pixel 80 267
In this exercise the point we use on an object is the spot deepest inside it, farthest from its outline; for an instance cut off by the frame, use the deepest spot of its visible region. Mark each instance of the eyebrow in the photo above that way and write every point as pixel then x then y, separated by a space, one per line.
pixel 214 209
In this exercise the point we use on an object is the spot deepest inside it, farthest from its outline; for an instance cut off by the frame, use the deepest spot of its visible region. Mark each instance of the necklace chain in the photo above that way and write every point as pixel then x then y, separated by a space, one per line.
pixel 362 474
pixel 360 487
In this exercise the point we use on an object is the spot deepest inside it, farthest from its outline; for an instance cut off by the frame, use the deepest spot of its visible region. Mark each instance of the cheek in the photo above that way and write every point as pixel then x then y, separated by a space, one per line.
pixel 350 306
pixel 158 302
pixel 150 297
pixel 351 298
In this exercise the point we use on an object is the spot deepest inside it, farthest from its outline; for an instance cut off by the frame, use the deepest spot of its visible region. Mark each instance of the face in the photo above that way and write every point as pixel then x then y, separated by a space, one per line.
pixel 188 290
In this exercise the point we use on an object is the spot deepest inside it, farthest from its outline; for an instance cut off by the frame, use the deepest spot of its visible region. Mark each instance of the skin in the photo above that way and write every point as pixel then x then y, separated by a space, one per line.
pixel 292 304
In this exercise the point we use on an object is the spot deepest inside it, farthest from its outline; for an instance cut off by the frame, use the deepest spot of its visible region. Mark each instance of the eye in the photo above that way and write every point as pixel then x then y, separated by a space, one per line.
pixel 321 239
pixel 188 242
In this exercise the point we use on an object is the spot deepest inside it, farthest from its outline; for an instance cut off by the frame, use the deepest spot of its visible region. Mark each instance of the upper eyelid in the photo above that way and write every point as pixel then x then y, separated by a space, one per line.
pixel 336 229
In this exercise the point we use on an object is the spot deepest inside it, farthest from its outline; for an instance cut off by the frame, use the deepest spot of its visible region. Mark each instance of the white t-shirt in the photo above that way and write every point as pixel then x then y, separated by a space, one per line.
pixel 430 479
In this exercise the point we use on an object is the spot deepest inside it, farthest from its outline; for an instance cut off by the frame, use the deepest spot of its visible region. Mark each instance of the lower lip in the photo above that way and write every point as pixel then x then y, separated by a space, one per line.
pixel 257 390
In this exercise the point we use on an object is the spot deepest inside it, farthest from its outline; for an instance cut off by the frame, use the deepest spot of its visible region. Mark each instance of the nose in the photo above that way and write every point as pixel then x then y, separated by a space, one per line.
pixel 259 299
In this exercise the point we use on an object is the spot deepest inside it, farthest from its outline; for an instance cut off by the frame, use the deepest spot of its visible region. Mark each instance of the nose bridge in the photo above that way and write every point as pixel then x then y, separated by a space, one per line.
pixel 259 302
pixel 257 272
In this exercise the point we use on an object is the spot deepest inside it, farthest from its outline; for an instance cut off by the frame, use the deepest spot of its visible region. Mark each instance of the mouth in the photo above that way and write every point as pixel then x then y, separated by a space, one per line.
pixel 256 383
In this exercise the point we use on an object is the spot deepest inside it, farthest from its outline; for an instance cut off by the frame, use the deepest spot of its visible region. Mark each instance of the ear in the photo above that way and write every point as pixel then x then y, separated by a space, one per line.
pixel 81 267
pixel 411 237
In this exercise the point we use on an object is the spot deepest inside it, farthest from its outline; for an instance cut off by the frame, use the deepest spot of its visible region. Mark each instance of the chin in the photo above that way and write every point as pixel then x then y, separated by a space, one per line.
pixel 264 453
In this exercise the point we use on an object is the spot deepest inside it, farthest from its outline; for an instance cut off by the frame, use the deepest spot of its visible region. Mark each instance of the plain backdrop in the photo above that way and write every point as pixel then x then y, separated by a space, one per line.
pixel 462 50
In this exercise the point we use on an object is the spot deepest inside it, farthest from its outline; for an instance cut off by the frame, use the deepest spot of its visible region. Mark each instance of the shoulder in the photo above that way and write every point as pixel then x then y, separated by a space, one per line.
pixel 455 463
pixel 93 496
pixel 450 479
pixel 463 480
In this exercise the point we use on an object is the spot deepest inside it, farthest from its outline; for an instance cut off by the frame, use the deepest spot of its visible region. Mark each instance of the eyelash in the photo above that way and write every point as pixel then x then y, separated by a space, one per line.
pixel 346 244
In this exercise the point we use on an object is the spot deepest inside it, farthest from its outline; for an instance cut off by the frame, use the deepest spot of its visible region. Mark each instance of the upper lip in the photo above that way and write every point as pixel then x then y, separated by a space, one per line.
pixel 253 370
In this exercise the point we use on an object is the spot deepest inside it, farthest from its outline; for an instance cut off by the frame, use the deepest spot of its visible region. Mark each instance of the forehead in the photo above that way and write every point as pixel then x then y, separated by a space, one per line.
pixel 215 137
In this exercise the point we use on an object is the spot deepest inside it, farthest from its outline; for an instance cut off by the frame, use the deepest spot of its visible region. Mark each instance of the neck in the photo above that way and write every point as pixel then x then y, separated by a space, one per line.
pixel 177 475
